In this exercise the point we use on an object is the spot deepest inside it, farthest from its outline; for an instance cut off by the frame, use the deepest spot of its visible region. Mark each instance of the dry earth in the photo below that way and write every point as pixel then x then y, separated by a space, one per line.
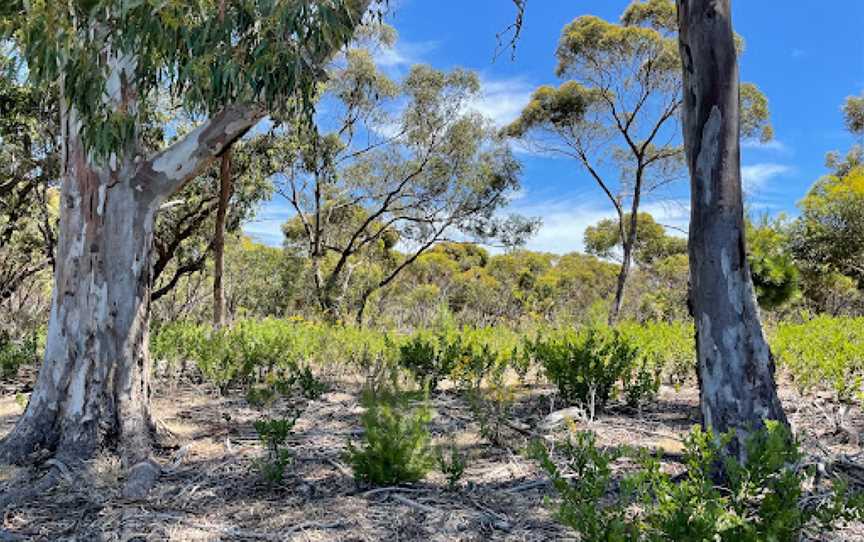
pixel 210 491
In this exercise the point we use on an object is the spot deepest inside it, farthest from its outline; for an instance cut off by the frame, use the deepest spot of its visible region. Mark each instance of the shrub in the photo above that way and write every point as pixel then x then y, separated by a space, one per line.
pixel 585 365
pixel 761 501
pixel 15 353
pixel 429 358
pixel 668 346
pixel 273 433
pixel 396 445
pixel 825 353
pixel 452 464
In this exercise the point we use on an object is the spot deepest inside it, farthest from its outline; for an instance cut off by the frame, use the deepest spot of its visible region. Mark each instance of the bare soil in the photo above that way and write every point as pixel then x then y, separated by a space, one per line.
pixel 209 489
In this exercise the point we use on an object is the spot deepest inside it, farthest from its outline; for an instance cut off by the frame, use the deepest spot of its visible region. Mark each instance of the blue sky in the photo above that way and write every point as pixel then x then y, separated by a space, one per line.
pixel 806 57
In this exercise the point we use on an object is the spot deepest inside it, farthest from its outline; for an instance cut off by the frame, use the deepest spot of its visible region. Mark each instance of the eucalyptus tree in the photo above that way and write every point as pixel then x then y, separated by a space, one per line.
pixel 617 113
pixel 112 59
pixel 735 366
pixel 407 163
pixel 853 114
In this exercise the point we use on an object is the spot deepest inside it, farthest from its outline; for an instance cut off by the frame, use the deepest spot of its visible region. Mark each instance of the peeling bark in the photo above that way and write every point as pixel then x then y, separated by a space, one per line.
pixel 735 366
pixel 93 389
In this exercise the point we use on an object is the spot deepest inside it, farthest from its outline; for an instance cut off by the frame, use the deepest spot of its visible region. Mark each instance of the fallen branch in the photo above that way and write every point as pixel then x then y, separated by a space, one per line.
pixel 414 504
pixel 392 489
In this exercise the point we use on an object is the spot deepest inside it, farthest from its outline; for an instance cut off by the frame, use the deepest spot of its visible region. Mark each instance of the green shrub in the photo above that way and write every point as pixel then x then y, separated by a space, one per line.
pixel 274 433
pixel 396 445
pixel 641 382
pixel 250 351
pixel 429 358
pixel 668 346
pixel 15 353
pixel 761 501
pixel 825 353
pixel 452 464
pixel 585 365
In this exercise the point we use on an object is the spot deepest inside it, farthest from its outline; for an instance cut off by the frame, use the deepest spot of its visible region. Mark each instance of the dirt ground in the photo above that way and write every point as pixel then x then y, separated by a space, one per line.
pixel 209 489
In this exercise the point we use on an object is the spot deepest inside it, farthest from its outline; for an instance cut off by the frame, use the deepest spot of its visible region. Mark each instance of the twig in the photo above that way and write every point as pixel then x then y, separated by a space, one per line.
pixel 339 466
pixel 414 504
pixel 392 489
pixel 527 486
pixel 234 532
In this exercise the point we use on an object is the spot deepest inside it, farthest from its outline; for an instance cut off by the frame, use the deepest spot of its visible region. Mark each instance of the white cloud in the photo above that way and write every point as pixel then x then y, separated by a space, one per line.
pixel 403 53
pixel 773 145
pixel 565 220
pixel 756 176
pixel 564 223
pixel 502 100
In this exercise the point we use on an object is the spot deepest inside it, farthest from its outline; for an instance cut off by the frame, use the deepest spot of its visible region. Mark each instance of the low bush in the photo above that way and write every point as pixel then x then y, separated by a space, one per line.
pixel 761 501
pixel 16 352
pixel 273 434
pixel 396 446
pixel 668 346
pixel 586 365
pixel 251 351
pixel 452 464
pixel 429 358
pixel 825 353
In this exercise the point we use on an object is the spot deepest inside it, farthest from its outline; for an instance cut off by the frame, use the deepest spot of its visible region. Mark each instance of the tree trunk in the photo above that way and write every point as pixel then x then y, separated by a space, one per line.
pixel 735 366
pixel 623 274
pixel 225 188
pixel 94 387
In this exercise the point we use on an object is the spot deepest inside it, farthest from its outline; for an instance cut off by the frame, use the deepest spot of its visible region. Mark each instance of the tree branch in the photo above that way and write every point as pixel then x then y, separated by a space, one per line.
pixel 171 169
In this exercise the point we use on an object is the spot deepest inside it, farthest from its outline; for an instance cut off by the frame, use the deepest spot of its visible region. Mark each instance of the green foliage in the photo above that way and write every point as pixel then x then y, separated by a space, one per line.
pixel 310 386
pixel 652 242
pixel 452 464
pixel 429 358
pixel 775 275
pixel 15 353
pixel 667 346
pixel 187 46
pixel 585 365
pixel 824 353
pixel 262 351
pixel 829 235
pixel 396 445
pixel 761 500
pixel 853 114
pixel 274 433
pixel 581 507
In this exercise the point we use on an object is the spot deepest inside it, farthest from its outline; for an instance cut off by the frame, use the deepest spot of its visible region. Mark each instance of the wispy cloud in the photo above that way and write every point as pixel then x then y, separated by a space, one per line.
pixel 502 100
pixel 565 220
pixel 773 145
pixel 754 177
pixel 403 54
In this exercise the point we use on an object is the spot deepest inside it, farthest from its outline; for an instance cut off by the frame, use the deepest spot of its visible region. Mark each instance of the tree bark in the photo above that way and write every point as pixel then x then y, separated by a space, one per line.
pixel 225 189
pixel 93 389
pixel 735 366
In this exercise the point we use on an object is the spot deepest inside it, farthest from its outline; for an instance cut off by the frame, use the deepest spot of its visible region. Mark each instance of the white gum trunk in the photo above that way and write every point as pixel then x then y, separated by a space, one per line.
pixel 735 366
